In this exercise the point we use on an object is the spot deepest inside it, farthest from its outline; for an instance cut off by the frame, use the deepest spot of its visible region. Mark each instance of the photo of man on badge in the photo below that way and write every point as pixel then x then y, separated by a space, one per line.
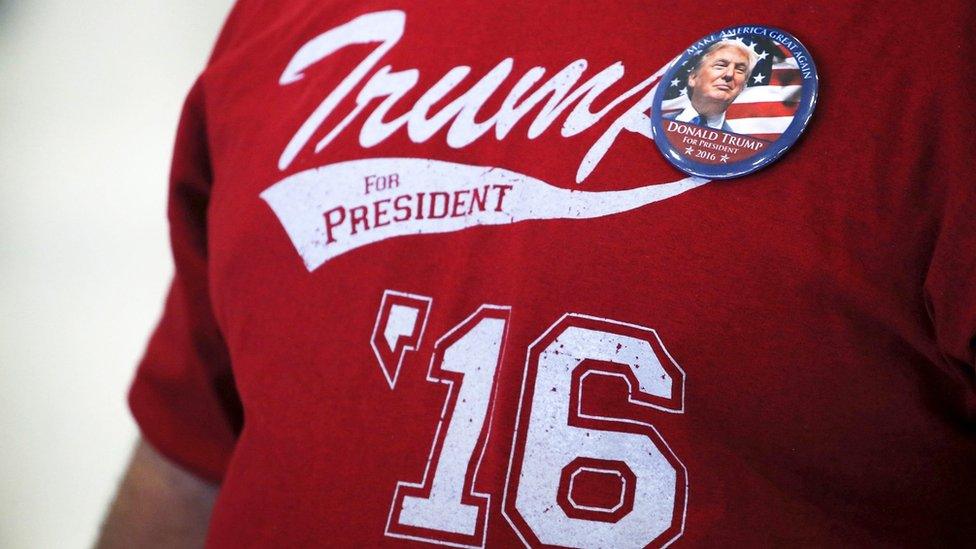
pixel 716 79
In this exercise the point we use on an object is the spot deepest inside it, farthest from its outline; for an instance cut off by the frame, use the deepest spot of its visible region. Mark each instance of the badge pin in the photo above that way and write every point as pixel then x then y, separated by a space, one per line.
pixel 735 101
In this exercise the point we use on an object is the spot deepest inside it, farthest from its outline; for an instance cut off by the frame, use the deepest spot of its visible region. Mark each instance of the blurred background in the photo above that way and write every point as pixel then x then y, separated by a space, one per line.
pixel 90 94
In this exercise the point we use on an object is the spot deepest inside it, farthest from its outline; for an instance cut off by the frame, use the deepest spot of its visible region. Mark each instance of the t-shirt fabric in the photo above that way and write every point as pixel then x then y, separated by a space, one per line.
pixel 435 284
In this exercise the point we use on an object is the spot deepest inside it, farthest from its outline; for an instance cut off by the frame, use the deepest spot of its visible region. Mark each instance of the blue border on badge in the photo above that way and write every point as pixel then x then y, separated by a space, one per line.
pixel 808 100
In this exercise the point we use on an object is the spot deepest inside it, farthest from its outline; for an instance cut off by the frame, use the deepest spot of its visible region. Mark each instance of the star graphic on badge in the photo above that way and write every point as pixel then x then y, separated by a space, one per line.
pixel 683 91
pixel 675 82
pixel 690 150
pixel 758 78
pixel 724 158
pixel 763 54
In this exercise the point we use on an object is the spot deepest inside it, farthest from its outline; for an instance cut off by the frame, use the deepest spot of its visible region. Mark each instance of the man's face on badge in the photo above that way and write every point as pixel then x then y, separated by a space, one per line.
pixel 721 76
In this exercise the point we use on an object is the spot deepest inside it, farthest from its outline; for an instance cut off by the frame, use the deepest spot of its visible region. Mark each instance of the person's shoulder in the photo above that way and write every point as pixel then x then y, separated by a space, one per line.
pixel 246 21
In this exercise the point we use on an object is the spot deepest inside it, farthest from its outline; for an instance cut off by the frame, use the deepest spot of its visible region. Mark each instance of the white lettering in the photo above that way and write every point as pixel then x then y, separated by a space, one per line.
pixel 387 27
pixel 382 26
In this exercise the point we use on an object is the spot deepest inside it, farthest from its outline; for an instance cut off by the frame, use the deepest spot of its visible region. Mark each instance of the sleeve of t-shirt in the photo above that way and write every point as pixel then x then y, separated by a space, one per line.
pixel 183 395
pixel 950 284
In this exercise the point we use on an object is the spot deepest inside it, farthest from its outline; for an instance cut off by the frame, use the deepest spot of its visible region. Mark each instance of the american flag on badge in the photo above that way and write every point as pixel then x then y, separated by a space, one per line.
pixel 766 107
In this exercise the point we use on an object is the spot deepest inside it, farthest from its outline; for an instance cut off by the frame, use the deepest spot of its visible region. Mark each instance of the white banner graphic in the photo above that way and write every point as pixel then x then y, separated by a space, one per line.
pixel 336 208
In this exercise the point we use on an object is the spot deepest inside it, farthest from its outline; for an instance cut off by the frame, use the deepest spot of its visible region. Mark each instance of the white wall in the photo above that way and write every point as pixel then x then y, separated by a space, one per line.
pixel 90 93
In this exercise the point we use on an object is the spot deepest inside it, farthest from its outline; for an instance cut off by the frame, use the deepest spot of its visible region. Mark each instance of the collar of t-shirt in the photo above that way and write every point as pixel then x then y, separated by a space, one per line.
pixel 691 115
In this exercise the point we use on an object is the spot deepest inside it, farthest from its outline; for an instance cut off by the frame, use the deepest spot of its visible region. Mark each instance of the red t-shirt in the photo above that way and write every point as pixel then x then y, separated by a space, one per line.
pixel 435 284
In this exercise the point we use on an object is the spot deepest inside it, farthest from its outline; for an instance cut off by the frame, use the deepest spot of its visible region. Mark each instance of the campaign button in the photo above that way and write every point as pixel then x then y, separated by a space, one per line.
pixel 734 101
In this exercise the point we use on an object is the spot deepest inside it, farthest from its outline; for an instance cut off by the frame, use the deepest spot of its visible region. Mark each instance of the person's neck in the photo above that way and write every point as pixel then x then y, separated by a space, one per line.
pixel 709 109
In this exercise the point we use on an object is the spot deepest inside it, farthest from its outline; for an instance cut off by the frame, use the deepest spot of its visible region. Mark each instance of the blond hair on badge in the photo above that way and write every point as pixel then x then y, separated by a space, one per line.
pixel 728 43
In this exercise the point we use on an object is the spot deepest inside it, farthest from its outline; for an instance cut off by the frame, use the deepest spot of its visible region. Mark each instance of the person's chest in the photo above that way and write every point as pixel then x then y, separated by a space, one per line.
pixel 462 290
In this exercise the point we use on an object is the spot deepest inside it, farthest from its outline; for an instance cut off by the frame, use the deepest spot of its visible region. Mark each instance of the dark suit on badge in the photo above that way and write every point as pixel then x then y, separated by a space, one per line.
pixel 691 116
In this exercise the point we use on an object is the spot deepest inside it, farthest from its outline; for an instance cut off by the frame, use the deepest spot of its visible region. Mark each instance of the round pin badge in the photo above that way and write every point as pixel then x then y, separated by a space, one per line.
pixel 734 101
